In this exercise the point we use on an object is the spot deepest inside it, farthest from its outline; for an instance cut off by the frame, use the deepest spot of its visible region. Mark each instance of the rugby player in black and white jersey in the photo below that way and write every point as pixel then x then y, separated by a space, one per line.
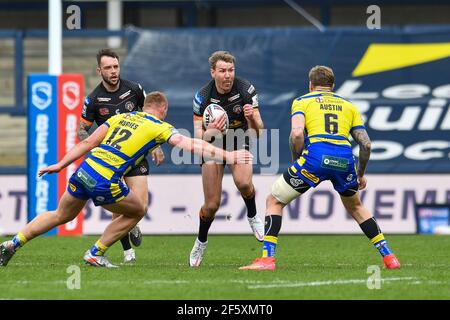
pixel 112 96
pixel 239 99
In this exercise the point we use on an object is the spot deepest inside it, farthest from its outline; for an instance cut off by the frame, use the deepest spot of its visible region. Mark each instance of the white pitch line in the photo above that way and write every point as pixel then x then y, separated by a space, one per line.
pixel 322 283
pixel 250 284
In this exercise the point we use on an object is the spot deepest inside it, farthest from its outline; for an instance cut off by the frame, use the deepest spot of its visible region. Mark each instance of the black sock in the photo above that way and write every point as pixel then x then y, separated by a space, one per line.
pixel 272 225
pixel 203 229
pixel 251 205
pixel 125 241
pixel 370 228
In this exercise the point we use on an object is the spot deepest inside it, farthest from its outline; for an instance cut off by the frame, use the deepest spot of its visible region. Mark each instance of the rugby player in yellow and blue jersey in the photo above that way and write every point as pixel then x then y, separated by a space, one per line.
pixel 321 124
pixel 118 144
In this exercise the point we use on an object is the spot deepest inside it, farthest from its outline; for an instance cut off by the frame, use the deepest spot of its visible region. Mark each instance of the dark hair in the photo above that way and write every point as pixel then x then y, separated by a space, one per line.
pixel 321 76
pixel 106 52
pixel 221 55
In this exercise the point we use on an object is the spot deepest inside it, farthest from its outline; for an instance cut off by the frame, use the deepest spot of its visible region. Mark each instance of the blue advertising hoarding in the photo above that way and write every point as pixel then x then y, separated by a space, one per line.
pixel 42 144
pixel 397 76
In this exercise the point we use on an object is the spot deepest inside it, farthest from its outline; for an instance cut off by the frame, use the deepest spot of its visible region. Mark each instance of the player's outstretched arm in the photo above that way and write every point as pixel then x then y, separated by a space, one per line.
pixel 198 127
pixel 202 147
pixel 83 129
pixel 77 151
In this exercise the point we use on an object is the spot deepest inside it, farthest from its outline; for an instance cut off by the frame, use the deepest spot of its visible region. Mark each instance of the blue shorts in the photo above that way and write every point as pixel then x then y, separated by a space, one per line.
pixel 86 184
pixel 322 161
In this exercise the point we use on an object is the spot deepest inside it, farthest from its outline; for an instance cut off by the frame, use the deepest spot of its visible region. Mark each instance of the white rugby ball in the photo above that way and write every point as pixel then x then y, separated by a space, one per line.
pixel 212 112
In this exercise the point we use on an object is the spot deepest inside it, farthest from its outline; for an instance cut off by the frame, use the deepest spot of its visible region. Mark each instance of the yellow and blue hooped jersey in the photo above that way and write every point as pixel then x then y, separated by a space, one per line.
pixel 328 117
pixel 130 137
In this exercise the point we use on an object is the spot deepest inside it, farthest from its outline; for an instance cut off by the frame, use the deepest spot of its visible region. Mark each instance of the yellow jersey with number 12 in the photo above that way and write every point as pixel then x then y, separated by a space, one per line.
pixel 130 137
pixel 328 117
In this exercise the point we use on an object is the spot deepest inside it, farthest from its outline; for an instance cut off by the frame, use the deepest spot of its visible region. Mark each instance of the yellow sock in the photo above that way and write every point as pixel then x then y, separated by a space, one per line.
pixel 19 240
pixel 269 246
pixel 98 249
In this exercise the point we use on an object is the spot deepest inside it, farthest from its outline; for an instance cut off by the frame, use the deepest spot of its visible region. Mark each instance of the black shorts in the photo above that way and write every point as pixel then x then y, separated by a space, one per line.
pixel 230 143
pixel 141 169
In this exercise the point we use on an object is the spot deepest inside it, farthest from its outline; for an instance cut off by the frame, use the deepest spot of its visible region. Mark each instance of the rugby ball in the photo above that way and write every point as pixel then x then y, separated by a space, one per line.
pixel 212 112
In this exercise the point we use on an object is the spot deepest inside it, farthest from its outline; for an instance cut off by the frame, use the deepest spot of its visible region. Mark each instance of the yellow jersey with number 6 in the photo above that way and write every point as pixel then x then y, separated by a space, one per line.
pixel 328 117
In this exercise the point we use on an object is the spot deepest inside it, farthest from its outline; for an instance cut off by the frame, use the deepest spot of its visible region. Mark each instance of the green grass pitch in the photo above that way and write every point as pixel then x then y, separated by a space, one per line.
pixel 308 267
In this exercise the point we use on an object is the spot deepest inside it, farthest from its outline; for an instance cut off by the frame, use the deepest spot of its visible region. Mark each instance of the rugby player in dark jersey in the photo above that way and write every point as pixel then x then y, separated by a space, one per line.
pixel 239 99
pixel 112 96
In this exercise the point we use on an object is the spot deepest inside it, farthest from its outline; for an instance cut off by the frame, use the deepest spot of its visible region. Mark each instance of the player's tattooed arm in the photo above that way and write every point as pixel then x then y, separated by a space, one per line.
pixel 363 140
pixel 83 129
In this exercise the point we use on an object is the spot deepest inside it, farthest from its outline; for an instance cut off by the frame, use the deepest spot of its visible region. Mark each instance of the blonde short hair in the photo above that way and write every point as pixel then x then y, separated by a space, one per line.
pixel 156 97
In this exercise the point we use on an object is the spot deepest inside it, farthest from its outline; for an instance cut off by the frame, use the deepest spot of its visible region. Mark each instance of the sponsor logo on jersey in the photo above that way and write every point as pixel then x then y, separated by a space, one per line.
pixel 236 96
pixel 334 163
pixel 71 94
pixel 72 187
pixel 237 109
pixel 103 111
pixel 214 100
pixel 235 124
pixel 129 106
pixel 142 168
pixel 124 95
pixel 309 176
pixel 251 89
pixel 319 99
pixel 100 198
pixel 295 182
pixel 41 94
pixel 103 99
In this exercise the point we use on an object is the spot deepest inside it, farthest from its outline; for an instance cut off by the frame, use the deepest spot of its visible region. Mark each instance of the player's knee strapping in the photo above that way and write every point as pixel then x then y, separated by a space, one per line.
pixel 288 187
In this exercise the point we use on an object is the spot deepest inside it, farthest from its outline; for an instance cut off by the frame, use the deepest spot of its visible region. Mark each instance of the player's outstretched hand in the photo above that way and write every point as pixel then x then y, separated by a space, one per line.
pixel 51 169
pixel 240 156
pixel 158 156
pixel 362 183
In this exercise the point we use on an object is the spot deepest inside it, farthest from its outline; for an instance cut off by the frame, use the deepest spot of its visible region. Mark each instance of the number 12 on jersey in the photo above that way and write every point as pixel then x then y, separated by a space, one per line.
pixel 124 134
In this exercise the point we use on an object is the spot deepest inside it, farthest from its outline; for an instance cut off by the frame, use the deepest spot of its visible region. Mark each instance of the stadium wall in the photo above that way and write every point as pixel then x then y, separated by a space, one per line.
pixel 173 207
